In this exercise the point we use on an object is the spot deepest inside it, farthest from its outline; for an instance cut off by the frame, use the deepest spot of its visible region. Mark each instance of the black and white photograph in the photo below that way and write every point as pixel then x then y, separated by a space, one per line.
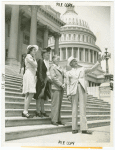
pixel 57 88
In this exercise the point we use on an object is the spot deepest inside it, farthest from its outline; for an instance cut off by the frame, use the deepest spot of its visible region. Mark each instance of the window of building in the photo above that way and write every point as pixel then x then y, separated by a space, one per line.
pixel 74 36
pixel 26 39
pixel 69 52
pixel 86 55
pixel 65 37
pixel 63 53
pixel 69 36
pixel 78 37
pixel 90 39
pixel 83 38
pixel 95 57
pixel 91 55
pixel 69 20
pixel 75 51
pixel 86 38
pixel 76 21
pixel 80 55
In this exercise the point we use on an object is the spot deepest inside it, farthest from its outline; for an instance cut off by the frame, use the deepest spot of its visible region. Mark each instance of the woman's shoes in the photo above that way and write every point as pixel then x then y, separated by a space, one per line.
pixel 27 115
pixel 44 114
pixel 38 114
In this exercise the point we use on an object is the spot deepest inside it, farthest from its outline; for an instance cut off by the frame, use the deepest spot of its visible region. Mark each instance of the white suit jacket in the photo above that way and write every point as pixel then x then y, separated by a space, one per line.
pixel 57 77
pixel 78 75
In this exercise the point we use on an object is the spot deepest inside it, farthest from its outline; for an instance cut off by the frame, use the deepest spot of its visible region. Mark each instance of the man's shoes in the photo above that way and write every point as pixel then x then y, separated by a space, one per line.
pixel 60 123
pixel 44 114
pixel 86 132
pixel 74 131
pixel 54 123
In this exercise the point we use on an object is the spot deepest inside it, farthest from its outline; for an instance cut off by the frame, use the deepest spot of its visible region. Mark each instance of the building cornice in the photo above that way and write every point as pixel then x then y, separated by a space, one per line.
pixel 77 44
pixel 51 15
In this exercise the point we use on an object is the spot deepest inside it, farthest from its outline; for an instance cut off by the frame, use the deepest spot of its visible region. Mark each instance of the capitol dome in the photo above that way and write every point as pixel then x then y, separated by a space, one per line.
pixel 77 40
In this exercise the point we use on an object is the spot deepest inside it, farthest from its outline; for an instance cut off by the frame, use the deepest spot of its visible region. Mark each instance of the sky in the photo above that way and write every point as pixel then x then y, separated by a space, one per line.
pixel 98 19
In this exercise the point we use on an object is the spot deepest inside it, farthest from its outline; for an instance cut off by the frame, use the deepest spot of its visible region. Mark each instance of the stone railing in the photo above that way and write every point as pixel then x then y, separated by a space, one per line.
pixel 93 91
pixel 101 92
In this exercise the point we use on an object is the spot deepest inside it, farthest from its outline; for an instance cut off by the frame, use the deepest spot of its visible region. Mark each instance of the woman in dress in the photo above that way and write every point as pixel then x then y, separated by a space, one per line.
pixel 43 86
pixel 29 78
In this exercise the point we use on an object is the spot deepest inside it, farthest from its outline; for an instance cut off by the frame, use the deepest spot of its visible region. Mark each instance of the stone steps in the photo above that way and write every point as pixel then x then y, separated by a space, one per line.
pixel 22 121
pixel 97 113
pixel 17 105
pixel 21 99
pixel 18 112
pixel 20 132
pixel 64 102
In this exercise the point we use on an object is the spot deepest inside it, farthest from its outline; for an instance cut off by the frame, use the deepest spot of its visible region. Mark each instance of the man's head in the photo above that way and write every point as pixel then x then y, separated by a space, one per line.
pixel 56 59
pixel 73 62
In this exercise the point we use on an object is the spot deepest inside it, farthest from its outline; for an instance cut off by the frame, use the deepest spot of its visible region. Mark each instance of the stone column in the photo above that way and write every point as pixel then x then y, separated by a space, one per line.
pixel 72 52
pixel 12 54
pixel 89 55
pixel 20 37
pixel 66 53
pixel 56 44
pixel 33 30
pixel 78 54
pixel 45 36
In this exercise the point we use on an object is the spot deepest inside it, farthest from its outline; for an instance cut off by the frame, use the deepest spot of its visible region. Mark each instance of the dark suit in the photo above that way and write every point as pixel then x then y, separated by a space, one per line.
pixel 41 77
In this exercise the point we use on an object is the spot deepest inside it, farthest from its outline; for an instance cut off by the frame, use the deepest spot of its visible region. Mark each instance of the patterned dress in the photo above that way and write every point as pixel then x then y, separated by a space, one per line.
pixel 29 78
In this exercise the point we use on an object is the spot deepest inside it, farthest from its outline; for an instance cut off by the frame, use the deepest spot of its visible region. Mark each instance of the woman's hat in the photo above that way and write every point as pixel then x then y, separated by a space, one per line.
pixel 34 46
pixel 70 60
pixel 45 50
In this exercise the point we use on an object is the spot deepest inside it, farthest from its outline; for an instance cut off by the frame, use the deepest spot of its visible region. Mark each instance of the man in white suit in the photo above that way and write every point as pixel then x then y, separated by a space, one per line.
pixel 77 90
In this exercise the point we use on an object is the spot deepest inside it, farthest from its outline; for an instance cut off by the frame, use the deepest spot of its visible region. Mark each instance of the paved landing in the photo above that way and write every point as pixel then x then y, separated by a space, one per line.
pixel 100 135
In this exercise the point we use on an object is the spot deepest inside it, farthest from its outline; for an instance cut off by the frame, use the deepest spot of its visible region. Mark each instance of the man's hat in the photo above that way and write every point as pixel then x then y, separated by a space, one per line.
pixel 70 60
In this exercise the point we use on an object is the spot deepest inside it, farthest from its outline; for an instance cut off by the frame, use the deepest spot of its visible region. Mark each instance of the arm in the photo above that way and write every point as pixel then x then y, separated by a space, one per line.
pixel 88 70
pixel 31 61
pixel 54 77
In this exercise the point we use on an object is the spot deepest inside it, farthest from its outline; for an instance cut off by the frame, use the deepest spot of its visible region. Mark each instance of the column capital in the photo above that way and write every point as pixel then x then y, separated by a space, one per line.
pixel 57 34
pixel 34 7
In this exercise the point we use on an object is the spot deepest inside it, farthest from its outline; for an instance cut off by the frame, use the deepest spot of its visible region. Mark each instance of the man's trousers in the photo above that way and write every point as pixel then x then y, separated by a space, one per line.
pixel 80 96
pixel 57 96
